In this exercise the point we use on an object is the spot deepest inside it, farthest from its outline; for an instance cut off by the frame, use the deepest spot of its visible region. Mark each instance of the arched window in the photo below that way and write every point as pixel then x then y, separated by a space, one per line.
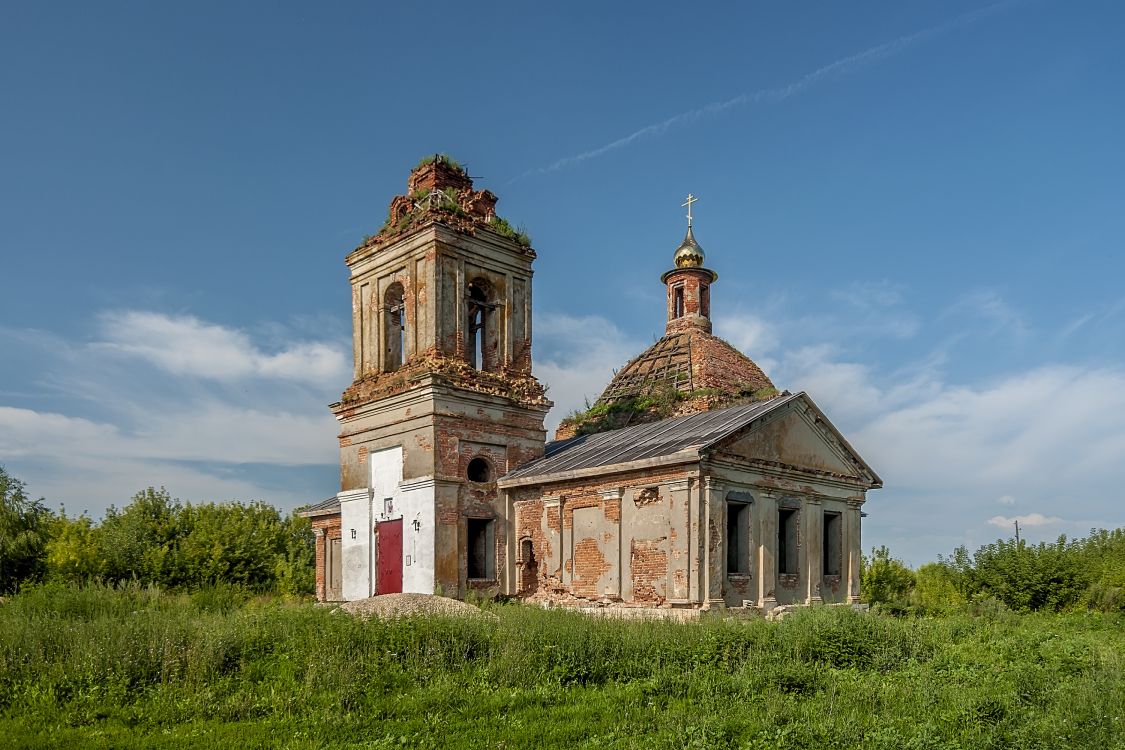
pixel 476 330
pixel 394 328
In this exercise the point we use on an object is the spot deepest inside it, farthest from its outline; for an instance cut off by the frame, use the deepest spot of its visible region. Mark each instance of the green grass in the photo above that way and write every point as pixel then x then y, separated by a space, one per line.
pixel 135 667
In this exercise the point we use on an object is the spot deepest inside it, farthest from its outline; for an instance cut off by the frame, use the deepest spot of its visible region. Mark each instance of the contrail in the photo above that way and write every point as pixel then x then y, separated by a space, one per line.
pixel 840 67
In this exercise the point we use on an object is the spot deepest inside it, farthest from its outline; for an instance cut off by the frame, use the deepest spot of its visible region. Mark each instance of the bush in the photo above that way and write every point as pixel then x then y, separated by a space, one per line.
pixel 157 540
pixel 884 579
pixel 24 526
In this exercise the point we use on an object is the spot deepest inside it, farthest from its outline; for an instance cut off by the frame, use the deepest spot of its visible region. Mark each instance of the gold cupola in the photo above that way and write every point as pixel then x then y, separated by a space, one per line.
pixel 689 254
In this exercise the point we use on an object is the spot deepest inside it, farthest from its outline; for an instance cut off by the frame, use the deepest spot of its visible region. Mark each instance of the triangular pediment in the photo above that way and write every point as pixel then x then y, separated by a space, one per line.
pixel 799 436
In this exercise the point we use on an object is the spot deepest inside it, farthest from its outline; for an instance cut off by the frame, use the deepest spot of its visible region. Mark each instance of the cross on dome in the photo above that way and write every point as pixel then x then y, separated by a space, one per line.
pixel 690 199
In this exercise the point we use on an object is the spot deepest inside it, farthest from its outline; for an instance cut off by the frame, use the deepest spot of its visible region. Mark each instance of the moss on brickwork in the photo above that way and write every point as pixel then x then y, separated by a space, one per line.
pixel 661 403
pixel 501 226
pixel 443 159
pixel 520 387
pixel 683 372
pixel 460 207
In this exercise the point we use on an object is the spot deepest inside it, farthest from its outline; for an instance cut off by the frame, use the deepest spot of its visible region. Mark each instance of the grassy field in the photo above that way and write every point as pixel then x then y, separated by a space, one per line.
pixel 139 668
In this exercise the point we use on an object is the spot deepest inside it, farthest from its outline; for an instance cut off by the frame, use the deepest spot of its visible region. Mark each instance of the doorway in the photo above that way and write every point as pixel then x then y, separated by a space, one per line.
pixel 388 571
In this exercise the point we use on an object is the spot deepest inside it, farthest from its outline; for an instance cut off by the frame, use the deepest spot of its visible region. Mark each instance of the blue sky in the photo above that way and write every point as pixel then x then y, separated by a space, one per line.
pixel 916 212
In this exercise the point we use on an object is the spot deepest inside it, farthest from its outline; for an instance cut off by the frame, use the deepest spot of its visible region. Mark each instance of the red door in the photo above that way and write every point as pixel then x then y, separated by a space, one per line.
pixel 388 573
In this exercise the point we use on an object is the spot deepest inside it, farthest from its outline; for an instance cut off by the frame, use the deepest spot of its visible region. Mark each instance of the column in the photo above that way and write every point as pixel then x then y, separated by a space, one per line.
pixel 814 546
pixel 714 545
pixel 767 550
pixel 854 550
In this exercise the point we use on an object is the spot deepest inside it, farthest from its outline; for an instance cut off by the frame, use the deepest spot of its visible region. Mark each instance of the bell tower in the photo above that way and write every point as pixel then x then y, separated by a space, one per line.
pixel 443 401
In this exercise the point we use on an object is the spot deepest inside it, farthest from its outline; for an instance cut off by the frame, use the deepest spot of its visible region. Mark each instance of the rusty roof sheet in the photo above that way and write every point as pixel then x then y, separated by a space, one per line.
pixel 648 440
pixel 328 507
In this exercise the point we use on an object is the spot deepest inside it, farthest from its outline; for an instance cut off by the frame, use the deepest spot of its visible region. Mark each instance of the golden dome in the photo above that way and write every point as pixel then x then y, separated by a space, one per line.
pixel 689 254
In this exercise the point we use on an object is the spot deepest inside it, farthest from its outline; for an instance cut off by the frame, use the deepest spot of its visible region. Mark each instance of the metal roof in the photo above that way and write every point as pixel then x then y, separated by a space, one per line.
pixel 323 508
pixel 646 441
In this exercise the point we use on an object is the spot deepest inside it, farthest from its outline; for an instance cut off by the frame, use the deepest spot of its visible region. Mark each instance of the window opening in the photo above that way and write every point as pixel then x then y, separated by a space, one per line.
pixel 479 470
pixel 830 554
pixel 529 568
pixel 705 301
pixel 480 548
pixel 738 538
pixel 394 328
pixel 787 541
pixel 477 330
pixel 678 302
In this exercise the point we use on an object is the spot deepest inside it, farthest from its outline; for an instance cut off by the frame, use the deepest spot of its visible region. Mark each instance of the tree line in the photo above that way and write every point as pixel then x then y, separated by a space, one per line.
pixel 1009 574
pixel 155 539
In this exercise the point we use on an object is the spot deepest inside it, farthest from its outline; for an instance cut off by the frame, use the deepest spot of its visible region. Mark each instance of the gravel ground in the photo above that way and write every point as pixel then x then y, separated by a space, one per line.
pixel 391 606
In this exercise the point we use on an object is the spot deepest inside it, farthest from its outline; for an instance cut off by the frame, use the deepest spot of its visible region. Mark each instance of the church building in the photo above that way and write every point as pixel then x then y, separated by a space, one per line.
pixel 691 483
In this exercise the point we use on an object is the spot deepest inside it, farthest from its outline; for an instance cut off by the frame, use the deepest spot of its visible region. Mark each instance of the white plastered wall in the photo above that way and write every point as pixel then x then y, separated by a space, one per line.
pixel 415 503
pixel 388 498
pixel 356 543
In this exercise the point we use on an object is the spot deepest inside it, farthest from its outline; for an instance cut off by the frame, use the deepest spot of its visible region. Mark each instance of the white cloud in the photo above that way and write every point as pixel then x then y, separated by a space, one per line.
pixel 576 358
pixel 189 347
pixel 748 333
pixel 989 313
pixel 1031 519
pixel 234 419
pixel 868 294
pixel 1006 500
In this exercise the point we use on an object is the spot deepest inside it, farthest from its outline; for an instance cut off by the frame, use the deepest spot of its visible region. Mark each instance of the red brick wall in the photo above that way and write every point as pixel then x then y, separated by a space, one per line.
pixel 649 560
pixel 696 307
pixel 331 527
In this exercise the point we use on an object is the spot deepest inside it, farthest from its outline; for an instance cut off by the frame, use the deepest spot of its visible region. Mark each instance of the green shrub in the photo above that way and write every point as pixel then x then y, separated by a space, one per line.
pixel 884 579
pixel 24 528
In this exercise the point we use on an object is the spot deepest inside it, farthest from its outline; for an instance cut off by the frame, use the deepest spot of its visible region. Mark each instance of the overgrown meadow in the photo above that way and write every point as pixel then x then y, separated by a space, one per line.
pixel 136 667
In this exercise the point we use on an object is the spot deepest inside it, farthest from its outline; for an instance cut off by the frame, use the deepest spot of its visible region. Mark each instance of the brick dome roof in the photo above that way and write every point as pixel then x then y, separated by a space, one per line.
pixel 684 372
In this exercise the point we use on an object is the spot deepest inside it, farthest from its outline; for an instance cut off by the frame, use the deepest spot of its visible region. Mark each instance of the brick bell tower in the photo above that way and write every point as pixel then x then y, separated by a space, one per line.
pixel 443 401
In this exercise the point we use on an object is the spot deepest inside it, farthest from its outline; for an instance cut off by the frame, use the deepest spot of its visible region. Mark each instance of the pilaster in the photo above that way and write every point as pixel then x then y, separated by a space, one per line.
pixel 814 545
pixel 855 549
pixel 613 585
pixel 679 544
pixel 767 551
pixel 713 543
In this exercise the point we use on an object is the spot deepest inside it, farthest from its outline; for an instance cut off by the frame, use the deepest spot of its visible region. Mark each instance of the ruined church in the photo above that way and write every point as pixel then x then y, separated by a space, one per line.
pixel 691 483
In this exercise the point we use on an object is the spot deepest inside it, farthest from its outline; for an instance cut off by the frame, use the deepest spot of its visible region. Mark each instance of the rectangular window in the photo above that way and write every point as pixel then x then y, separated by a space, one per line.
pixel 830 555
pixel 787 563
pixel 678 302
pixel 738 538
pixel 481 548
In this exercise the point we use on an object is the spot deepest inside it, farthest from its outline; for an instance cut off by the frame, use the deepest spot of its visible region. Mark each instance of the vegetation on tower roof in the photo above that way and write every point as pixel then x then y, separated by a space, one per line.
pixel 440 159
pixel 502 226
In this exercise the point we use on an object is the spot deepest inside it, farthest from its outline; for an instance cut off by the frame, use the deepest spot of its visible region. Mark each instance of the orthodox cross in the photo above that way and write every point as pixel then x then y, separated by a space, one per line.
pixel 690 199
